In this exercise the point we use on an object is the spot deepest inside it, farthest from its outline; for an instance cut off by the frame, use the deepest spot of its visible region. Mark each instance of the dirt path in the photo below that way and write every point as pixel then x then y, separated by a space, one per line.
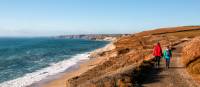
pixel 175 76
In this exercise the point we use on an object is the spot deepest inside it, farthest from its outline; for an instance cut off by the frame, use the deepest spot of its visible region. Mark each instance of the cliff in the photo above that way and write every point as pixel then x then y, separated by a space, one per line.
pixel 130 56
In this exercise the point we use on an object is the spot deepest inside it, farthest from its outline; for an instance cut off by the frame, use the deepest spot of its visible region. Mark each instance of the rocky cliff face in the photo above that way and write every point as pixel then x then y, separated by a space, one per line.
pixel 130 56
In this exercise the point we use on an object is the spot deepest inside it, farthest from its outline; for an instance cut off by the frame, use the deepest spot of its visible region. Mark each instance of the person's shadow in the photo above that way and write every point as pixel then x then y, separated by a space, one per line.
pixel 149 76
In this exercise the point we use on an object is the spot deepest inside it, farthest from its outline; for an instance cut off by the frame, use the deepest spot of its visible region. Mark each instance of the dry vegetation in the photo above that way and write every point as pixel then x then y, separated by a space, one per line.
pixel 133 56
pixel 191 57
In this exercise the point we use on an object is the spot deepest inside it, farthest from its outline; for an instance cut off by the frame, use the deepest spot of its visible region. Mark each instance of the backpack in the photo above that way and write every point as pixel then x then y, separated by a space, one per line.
pixel 168 52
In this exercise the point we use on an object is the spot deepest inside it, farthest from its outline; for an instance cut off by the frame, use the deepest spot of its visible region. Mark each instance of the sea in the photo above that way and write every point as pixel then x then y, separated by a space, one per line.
pixel 24 61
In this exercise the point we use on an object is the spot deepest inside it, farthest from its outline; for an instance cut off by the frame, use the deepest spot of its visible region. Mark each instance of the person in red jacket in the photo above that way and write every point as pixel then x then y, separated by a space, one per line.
pixel 157 53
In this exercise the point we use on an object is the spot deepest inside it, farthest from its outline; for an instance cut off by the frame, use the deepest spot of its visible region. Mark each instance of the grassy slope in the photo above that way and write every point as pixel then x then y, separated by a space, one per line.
pixel 131 51
pixel 191 57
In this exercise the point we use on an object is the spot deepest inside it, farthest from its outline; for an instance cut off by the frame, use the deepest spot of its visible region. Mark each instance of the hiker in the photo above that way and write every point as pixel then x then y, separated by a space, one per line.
pixel 157 53
pixel 167 56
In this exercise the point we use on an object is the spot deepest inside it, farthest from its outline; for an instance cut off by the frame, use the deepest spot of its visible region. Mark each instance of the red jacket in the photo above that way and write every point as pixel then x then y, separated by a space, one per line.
pixel 157 51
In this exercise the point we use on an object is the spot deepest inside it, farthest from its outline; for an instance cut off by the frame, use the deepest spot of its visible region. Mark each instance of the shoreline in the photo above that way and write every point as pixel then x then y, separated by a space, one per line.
pixel 60 79
pixel 46 74
pixel 58 75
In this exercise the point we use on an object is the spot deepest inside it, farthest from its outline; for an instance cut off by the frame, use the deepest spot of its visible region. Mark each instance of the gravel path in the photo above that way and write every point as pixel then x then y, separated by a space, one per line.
pixel 175 76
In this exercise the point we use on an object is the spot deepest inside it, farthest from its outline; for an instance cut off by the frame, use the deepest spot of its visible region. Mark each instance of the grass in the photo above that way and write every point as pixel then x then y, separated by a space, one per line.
pixel 185 34
pixel 132 50
pixel 191 57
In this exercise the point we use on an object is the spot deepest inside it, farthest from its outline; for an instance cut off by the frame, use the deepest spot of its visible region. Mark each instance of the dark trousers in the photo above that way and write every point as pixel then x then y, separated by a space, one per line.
pixel 167 62
pixel 157 59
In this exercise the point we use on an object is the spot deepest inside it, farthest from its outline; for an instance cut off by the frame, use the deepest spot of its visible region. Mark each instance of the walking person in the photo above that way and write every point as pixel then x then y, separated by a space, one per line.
pixel 157 53
pixel 167 56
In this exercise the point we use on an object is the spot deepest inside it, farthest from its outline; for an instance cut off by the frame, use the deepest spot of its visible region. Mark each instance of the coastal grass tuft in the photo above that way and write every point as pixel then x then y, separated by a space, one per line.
pixel 191 57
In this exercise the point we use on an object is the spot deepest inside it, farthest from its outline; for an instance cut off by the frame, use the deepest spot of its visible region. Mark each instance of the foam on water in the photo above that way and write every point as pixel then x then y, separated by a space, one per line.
pixel 38 75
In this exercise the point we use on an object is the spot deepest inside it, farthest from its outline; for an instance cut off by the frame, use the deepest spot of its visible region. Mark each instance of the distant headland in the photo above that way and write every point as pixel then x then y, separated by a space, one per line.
pixel 107 37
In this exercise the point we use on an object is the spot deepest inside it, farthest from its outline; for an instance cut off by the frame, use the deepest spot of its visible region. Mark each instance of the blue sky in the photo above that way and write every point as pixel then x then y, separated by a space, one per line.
pixel 58 17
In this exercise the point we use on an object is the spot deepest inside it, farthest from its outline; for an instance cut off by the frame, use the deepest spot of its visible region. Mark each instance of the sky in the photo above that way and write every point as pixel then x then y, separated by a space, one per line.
pixel 61 17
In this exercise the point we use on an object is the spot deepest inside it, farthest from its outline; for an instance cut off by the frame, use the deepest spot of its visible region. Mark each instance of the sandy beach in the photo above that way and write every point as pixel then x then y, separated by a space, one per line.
pixel 62 82
pixel 82 67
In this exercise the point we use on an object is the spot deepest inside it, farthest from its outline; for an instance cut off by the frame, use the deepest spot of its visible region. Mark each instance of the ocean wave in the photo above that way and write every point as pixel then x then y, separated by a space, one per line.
pixel 41 74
